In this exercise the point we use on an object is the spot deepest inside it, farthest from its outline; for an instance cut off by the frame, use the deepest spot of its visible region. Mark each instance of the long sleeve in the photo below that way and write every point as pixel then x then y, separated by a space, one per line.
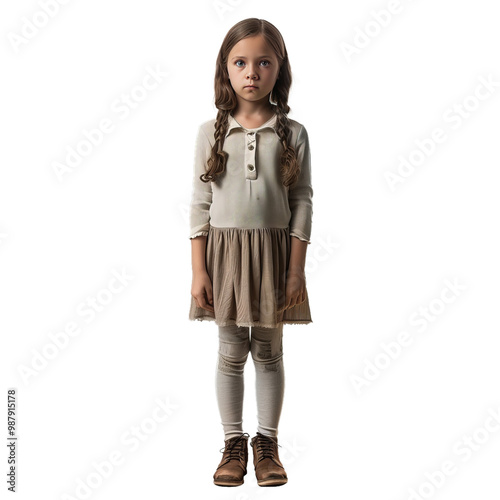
pixel 300 195
pixel 201 199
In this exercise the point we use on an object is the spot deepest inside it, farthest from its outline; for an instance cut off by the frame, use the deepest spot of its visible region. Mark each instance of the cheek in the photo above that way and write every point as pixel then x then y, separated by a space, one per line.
pixel 234 72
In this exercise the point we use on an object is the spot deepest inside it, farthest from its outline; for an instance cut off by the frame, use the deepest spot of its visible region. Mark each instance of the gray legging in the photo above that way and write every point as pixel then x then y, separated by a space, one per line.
pixel 266 346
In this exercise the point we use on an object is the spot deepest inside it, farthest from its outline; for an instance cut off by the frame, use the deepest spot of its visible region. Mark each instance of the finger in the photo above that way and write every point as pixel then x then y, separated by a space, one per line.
pixel 287 301
pixel 208 307
pixel 204 305
pixel 210 300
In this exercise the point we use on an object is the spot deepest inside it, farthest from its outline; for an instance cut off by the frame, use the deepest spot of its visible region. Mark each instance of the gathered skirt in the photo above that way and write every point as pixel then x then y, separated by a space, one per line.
pixel 248 268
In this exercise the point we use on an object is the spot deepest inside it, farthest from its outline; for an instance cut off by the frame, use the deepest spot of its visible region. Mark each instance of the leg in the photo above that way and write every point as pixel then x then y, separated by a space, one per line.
pixel 267 353
pixel 234 346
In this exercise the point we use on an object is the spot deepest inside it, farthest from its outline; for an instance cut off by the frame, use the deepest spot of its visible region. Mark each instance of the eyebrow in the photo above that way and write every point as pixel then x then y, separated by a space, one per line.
pixel 243 57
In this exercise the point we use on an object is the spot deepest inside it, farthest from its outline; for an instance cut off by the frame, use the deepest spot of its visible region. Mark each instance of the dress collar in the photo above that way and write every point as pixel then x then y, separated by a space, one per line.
pixel 271 123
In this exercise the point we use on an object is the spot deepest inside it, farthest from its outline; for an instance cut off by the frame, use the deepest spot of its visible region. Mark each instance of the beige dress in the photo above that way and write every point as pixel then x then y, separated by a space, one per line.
pixel 249 218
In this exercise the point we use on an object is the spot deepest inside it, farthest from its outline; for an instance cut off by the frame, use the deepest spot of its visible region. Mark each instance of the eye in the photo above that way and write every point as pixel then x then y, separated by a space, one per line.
pixel 241 60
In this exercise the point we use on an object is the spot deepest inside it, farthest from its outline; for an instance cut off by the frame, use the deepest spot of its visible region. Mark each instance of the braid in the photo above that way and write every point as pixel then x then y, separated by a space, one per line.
pixel 289 167
pixel 218 157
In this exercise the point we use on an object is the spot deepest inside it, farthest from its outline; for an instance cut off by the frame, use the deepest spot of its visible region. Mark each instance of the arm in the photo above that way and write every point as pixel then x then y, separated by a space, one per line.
pixel 297 256
pixel 301 193
pixel 201 201
pixel 198 246
pixel 300 201
pixel 296 277
pixel 201 288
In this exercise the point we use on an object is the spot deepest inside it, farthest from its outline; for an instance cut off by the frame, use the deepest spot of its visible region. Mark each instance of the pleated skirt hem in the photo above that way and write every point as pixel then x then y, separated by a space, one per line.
pixel 254 323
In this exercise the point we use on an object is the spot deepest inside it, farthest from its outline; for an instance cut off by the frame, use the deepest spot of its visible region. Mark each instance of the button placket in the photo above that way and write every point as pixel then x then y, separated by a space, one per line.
pixel 250 168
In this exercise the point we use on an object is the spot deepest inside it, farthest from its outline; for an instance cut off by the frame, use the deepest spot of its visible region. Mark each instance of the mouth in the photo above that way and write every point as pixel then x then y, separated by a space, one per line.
pixel 251 87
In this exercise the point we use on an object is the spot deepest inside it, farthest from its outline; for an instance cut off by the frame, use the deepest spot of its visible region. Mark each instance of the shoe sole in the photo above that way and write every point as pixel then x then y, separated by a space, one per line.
pixel 221 482
pixel 278 481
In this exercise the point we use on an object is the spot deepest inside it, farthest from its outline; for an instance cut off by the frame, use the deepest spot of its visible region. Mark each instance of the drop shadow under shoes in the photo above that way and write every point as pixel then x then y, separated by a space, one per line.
pixel 233 465
pixel 268 467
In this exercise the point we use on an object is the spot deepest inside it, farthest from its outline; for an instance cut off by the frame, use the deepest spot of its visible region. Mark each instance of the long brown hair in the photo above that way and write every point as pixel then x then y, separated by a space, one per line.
pixel 226 102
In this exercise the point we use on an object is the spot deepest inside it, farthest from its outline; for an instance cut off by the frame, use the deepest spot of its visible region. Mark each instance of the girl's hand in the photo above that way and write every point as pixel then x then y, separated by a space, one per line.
pixel 201 290
pixel 295 288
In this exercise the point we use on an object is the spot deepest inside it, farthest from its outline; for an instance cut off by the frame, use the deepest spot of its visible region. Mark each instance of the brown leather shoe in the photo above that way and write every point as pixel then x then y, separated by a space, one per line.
pixel 268 467
pixel 233 465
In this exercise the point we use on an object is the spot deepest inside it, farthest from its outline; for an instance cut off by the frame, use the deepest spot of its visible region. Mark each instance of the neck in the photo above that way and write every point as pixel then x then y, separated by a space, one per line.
pixel 261 108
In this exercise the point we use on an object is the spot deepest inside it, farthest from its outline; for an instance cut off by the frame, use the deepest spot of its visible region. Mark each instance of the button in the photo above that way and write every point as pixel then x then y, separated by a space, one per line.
pixel 250 147
pixel 251 133
pixel 250 167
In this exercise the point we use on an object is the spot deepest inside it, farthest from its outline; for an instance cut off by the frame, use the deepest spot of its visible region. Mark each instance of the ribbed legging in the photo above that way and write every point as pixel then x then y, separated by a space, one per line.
pixel 266 347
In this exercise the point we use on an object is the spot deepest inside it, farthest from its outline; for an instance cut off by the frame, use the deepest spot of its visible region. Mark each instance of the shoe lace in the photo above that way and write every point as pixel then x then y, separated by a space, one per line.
pixel 234 447
pixel 265 446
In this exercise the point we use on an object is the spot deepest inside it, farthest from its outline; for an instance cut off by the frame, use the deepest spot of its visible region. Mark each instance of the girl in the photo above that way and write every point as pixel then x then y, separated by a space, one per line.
pixel 250 218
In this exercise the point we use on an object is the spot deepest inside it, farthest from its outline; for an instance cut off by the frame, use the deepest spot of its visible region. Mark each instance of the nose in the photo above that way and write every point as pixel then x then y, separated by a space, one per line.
pixel 251 73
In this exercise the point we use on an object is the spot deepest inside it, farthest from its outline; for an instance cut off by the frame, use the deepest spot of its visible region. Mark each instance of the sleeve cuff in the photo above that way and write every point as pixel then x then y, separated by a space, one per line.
pixel 300 237
pixel 199 233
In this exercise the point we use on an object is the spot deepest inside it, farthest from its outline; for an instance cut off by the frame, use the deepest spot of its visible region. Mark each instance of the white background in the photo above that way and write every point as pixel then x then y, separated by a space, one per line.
pixel 378 258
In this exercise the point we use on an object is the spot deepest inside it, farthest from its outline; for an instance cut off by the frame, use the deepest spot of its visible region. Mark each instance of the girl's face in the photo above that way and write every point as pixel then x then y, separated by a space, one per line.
pixel 252 62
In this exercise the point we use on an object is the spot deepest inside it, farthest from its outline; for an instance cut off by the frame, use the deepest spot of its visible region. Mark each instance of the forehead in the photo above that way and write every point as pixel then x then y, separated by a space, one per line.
pixel 255 46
